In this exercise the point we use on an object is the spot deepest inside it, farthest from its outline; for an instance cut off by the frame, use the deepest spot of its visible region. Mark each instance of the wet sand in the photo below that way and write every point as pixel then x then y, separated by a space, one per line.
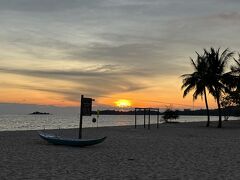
pixel 173 151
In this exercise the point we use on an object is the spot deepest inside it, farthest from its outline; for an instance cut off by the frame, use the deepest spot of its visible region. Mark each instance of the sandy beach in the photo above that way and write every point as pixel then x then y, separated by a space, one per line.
pixel 173 151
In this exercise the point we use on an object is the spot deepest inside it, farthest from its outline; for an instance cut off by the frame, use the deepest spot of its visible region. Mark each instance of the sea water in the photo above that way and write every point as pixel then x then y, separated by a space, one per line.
pixel 38 122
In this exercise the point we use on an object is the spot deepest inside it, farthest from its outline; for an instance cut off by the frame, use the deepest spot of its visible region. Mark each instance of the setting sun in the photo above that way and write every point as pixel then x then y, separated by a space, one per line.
pixel 123 103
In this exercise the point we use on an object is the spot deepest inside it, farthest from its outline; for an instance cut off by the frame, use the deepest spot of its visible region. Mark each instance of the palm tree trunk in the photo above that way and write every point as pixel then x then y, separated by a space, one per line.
pixel 219 113
pixel 206 102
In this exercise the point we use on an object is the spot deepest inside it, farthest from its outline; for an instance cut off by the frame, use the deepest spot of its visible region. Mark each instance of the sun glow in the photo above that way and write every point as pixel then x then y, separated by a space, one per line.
pixel 123 103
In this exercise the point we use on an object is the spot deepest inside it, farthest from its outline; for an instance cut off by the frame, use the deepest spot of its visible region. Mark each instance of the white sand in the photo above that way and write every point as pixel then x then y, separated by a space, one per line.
pixel 174 151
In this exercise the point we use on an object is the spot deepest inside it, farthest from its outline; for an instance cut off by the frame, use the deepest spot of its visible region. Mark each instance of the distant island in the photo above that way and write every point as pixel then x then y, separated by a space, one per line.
pixel 39 113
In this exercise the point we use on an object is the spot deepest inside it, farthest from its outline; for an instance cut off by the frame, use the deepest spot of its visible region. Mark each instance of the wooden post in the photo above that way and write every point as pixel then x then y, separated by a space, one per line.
pixel 149 113
pixel 81 117
pixel 98 112
pixel 135 119
pixel 158 118
pixel 144 118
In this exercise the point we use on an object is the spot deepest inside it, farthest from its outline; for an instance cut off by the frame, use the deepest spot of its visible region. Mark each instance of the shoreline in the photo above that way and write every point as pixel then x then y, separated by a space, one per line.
pixel 11 123
pixel 153 125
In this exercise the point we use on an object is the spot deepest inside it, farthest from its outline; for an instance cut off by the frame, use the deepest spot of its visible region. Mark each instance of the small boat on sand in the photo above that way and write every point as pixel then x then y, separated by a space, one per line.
pixel 53 139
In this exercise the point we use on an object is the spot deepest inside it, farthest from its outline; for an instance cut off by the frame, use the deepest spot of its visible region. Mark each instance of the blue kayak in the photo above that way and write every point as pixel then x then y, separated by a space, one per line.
pixel 53 139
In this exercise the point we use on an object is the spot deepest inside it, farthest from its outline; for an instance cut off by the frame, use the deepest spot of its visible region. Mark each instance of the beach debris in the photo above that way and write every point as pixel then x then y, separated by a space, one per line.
pixel 130 159
pixel 39 113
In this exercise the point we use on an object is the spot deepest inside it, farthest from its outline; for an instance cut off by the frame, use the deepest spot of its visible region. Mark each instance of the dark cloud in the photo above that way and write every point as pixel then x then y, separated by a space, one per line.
pixel 134 54
pixel 99 71
pixel 231 16
pixel 95 82
pixel 45 5
pixel 124 52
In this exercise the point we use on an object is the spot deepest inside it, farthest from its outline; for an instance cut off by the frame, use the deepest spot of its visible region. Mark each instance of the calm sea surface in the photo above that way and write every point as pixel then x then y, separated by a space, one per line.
pixel 34 122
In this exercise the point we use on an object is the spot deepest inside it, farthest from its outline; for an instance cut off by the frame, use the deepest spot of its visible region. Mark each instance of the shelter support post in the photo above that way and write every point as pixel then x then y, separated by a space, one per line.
pixel 144 120
pixel 147 111
pixel 135 119
pixel 149 116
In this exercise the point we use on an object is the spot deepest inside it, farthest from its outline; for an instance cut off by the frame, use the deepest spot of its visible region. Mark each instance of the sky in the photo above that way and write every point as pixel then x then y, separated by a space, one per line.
pixel 52 51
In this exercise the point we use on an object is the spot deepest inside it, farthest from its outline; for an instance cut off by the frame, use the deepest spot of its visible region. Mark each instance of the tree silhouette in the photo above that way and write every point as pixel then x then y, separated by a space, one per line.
pixel 169 114
pixel 234 83
pixel 217 74
pixel 198 81
pixel 236 68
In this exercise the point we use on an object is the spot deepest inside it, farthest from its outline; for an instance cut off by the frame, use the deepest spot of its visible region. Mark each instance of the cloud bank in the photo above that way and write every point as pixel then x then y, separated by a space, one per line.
pixel 109 47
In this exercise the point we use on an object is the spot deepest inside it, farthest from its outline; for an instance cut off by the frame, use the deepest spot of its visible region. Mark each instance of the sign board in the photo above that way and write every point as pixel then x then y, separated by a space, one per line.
pixel 87 106
pixel 85 110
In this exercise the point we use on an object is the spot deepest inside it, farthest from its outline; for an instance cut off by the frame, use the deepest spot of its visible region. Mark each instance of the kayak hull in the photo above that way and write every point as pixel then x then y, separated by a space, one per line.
pixel 53 139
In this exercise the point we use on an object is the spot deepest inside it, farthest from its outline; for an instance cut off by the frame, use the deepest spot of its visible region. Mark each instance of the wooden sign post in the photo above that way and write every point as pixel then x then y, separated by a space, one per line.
pixel 85 110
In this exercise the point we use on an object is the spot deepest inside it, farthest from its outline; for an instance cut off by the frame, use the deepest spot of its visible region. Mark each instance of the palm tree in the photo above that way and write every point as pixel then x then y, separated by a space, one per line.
pixel 235 72
pixel 236 68
pixel 217 63
pixel 197 81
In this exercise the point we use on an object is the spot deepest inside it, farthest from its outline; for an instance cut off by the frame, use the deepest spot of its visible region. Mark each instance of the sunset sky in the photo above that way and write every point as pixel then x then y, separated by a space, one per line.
pixel 52 51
